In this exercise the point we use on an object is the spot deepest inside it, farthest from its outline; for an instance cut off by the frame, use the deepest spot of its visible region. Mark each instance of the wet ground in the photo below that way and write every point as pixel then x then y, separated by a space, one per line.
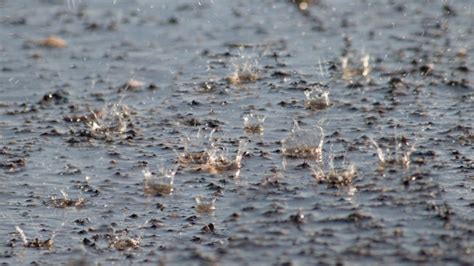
pixel 125 83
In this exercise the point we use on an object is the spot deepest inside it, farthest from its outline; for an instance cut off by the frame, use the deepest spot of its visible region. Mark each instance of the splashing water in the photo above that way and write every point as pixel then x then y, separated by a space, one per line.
pixel 160 184
pixel 316 99
pixel 245 70
pixel 349 73
pixel 253 124
pixel 399 156
pixel 303 143
pixel 205 206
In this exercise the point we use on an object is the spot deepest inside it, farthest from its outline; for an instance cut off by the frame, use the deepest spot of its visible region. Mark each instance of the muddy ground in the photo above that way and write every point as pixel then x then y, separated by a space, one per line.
pixel 122 84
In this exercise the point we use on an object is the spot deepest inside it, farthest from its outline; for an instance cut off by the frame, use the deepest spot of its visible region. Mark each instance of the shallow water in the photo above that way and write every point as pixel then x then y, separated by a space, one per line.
pixel 418 93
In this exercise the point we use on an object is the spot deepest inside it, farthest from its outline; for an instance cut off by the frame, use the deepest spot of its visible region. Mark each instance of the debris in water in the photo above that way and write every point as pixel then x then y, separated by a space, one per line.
pixel 132 84
pixel 303 4
pixel 52 42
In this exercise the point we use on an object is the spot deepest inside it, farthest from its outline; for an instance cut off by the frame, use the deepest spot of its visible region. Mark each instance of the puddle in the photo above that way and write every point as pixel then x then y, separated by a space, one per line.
pixel 162 132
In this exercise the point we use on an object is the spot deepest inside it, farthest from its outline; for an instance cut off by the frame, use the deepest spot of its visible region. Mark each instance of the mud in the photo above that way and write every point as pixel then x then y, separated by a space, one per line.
pixel 93 93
